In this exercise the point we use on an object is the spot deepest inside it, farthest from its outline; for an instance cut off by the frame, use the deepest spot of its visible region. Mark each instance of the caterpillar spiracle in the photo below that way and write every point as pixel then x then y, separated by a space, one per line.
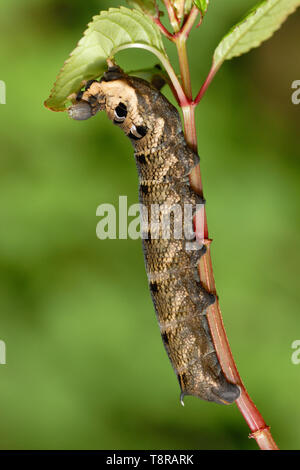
pixel 164 161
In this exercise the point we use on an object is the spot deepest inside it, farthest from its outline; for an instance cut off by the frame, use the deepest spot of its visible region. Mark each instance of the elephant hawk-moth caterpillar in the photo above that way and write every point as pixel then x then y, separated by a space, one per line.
pixel 164 162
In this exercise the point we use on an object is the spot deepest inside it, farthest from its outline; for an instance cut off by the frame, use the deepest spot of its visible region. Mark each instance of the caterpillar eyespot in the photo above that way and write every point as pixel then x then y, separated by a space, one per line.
pixel 142 130
pixel 164 161
pixel 120 113
pixel 137 132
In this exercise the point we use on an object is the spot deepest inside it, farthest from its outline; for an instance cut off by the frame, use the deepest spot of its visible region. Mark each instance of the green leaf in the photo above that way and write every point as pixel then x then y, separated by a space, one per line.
pixel 202 5
pixel 259 24
pixel 109 32
pixel 147 6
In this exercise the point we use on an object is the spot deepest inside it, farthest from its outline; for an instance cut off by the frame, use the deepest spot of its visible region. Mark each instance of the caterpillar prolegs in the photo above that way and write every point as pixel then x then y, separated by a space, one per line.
pixel 164 162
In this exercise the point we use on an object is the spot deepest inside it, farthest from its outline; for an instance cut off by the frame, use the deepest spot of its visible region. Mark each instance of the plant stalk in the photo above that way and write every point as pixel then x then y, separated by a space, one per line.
pixel 188 24
pixel 172 16
pixel 206 84
pixel 180 43
pixel 259 430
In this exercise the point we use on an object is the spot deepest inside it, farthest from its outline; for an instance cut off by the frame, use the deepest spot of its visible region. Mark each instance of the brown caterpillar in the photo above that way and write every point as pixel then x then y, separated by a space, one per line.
pixel 164 162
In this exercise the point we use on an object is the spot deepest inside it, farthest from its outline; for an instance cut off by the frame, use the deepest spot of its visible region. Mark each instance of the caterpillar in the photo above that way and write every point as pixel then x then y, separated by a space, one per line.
pixel 164 161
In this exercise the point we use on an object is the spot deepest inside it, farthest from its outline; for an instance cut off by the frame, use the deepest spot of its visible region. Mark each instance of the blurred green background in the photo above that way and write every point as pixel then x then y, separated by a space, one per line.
pixel 86 367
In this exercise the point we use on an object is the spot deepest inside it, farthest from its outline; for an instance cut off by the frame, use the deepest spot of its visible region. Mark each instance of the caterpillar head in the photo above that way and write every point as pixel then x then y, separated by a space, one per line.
pixel 133 104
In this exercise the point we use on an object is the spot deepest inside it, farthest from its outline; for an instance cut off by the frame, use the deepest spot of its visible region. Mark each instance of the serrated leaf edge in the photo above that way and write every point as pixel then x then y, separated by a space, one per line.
pixel 159 46
pixel 217 64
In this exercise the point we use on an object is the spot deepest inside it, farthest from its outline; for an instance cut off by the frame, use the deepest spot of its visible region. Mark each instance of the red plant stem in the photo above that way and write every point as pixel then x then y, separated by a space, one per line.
pixel 183 93
pixel 162 28
pixel 188 24
pixel 207 82
pixel 259 430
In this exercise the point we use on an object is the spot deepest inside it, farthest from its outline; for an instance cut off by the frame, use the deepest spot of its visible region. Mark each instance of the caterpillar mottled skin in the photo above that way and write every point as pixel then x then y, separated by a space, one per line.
pixel 164 161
